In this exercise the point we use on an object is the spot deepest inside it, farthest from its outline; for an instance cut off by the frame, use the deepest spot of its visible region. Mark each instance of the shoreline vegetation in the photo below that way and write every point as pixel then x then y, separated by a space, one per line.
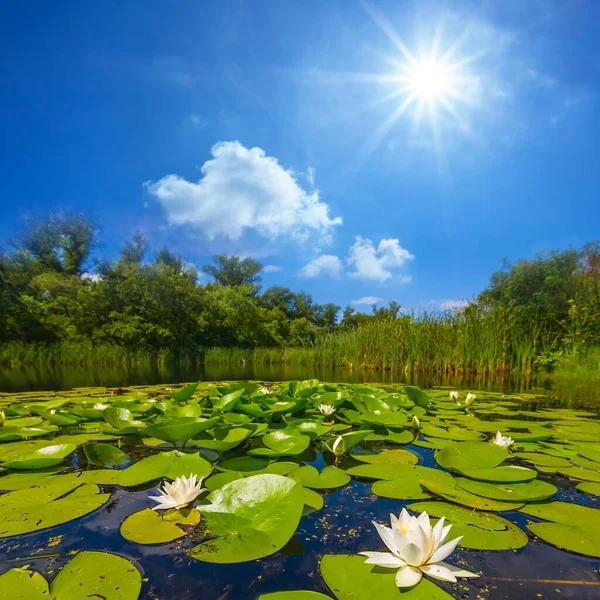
pixel 62 305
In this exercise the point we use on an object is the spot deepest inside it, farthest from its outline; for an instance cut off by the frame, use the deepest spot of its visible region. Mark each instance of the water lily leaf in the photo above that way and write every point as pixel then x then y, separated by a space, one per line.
pixel 419 397
pixel 468 455
pixel 105 455
pixel 180 430
pixel 40 507
pixel 214 482
pixel 250 518
pixel 568 537
pixel 48 456
pixel 9 434
pixel 587 487
pixel 579 473
pixel 246 464
pixel 543 460
pixel 312 502
pixel 122 420
pixel 22 584
pixel 149 527
pixel 565 513
pixel 501 474
pixel 389 418
pixel 329 478
pixel 480 530
pixel 183 395
pixel 223 438
pixel 387 457
pixel 171 464
pixel 350 578
pixel 406 488
pixel 351 439
pixel 228 402
pixel 295 595
pixel 530 491
pixel 97 575
pixel 388 471
pixel 458 495
pixel 282 442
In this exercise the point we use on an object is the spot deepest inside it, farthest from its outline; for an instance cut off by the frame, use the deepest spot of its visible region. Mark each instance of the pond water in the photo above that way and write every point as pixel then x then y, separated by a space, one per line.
pixel 558 442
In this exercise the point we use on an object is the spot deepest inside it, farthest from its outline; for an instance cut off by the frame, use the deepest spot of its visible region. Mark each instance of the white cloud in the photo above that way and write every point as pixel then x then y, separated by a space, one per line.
pixel 377 263
pixel 454 304
pixel 242 189
pixel 272 268
pixel 368 300
pixel 95 277
pixel 326 264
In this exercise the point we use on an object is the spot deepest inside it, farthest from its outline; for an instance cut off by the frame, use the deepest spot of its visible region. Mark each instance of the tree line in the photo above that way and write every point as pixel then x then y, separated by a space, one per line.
pixel 52 291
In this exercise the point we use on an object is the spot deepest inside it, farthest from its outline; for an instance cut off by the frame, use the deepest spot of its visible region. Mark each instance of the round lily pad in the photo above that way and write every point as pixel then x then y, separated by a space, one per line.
pixel 48 456
pixel 388 457
pixel 329 478
pixel 589 488
pixel 22 584
pixel 149 527
pixel 104 455
pixel 568 537
pixel 312 502
pixel 457 456
pixel 351 578
pixel 530 491
pixel 282 442
pixel 294 595
pixel 501 474
pixel 250 518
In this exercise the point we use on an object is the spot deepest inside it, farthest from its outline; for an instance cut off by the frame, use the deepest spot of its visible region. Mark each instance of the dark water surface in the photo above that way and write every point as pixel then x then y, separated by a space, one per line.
pixel 343 526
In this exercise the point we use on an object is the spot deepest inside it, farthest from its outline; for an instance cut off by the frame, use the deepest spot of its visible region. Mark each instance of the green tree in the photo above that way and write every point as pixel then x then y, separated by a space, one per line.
pixel 231 271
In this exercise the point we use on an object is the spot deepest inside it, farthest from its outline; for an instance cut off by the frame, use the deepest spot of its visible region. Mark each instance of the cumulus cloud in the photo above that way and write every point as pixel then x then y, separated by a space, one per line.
pixel 242 189
pixel 368 300
pixel 377 263
pixel 454 304
pixel 326 264
pixel 272 268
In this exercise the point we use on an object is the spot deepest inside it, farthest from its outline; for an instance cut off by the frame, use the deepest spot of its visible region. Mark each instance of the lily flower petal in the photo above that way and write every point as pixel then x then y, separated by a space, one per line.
pixel 438 571
pixel 444 551
pixel 383 559
pixel 408 577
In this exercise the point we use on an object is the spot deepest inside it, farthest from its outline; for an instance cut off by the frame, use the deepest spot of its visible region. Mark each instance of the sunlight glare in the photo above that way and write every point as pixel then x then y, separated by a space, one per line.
pixel 429 79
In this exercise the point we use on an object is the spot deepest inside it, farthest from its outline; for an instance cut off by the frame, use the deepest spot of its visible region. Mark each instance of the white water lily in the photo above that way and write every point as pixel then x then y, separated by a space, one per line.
pixel 470 399
pixel 326 409
pixel 339 446
pixel 415 422
pixel 179 493
pixel 416 549
pixel 99 406
pixel 502 440
pixel 454 395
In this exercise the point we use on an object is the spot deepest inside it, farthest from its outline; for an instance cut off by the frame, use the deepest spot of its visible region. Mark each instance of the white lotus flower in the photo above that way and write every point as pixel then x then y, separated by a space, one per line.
pixel 502 440
pixel 326 409
pixel 470 399
pixel 454 395
pixel 99 406
pixel 339 446
pixel 179 493
pixel 416 549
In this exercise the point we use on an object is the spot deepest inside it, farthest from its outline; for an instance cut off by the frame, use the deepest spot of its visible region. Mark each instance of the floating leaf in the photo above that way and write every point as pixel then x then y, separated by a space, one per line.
pixel 568 537
pixel 350 578
pixel 480 530
pixel 48 456
pixel 282 442
pixel 530 491
pixel 149 527
pixel 587 487
pixel 501 474
pixel 22 584
pixel 180 430
pixel 105 455
pixel 329 478
pixel 388 457
pixel 468 455
pixel 250 518
pixel 312 502
pixel 184 395
pixel 295 595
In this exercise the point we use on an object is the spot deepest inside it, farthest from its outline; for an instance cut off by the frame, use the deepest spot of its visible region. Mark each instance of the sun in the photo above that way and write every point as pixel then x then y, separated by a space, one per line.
pixel 430 79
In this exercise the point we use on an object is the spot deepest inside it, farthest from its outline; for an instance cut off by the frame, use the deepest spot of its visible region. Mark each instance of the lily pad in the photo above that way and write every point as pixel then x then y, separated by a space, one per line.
pixel 457 456
pixel 388 457
pixel 180 430
pixel 171 464
pixel 295 595
pixel 250 518
pixel 589 488
pixel 530 491
pixel 568 537
pixel 22 584
pixel 350 578
pixel 312 502
pixel 501 474
pixel 48 456
pixel 105 455
pixel 282 442
pixel 480 530
pixel 565 513
pixel 329 478
pixel 149 527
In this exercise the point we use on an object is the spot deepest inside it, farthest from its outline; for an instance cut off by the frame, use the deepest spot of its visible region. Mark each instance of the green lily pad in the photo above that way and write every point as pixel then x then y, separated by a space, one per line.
pixel 250 518
pixel 214 482
pixel 565 513
pixel 312 502
pixel 180 430
pixel 282 442
pixel 388 457
pixel 501 474
pixel 149 527
pixel 329 478
pixel 469 455
pixel 480 530
pixel 97 575
pixel 295 595
pixel 184 394
pixel 48 456
pixel 105 455
pixel 171 464
pixel 350 578
pixel 223 440
pixel 568 537
pixel 587 487
pixel 35 508
pixel 245 464
pixel 530 491
pixel 22 584
pixel 543 460
pixel 409 486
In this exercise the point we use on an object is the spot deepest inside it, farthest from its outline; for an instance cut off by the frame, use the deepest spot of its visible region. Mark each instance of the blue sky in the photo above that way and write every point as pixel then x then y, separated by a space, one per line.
pixel 292 131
